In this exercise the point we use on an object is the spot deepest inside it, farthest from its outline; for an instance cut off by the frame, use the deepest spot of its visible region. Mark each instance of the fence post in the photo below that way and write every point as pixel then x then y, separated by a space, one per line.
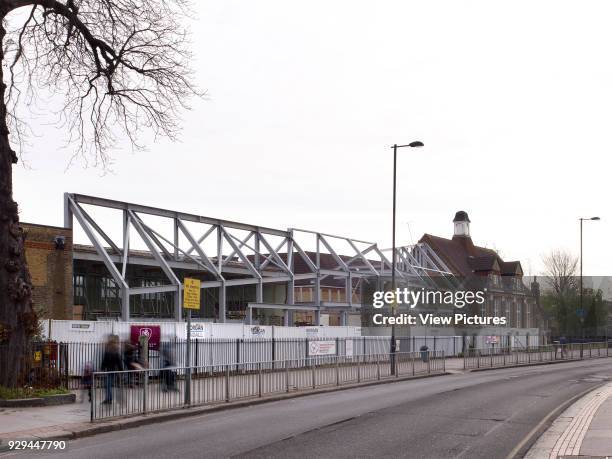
pixel 504 353
pixel 92 401
pixel 66 362
pixel 429 361
pixel 237 353
pixel 377 368
pixel 413 364
pixel 227 383
pixel 395 357
pixel 314 380
pixel 444 360
pixel 358 369
pixel 273 352
pixel 145 386
pixel 259 381
pixel 287 374
pixel 337 369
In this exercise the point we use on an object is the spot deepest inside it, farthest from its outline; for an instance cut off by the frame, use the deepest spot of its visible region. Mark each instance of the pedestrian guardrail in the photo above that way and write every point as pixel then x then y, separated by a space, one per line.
pixel 127 393
pixel 504 357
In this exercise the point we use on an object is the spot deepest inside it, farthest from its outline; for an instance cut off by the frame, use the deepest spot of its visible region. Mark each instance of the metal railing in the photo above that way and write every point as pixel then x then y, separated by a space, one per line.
pixel 127 393
pixel 504 357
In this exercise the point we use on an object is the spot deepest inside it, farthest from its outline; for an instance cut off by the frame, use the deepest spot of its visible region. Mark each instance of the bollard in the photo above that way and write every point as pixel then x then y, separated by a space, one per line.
pixel 359 369
pixel 412 364
pixel 377 369
pixel 287 375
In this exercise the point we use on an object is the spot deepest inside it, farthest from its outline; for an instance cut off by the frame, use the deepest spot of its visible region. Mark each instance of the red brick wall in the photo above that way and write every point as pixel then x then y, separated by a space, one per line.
pixel 51 270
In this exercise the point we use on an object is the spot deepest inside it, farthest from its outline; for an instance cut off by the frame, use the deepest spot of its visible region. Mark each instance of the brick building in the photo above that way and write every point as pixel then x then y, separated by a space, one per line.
pixel 480 268
pixel 49 257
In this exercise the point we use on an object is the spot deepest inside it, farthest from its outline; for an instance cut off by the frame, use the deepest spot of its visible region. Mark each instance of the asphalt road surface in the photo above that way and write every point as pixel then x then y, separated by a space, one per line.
pixel 474 415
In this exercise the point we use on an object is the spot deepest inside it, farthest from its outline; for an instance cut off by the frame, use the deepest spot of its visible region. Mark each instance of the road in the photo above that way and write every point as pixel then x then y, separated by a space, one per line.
pixel 471 415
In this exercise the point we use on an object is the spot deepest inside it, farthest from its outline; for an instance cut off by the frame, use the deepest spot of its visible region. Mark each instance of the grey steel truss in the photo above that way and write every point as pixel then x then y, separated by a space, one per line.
pixel 233 253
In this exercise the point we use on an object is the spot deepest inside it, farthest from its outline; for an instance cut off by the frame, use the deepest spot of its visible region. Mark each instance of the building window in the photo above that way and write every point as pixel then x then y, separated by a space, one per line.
pixel 108 288
pixel 528 318
pixel 79 287
pixel 508 314
pixel 496 306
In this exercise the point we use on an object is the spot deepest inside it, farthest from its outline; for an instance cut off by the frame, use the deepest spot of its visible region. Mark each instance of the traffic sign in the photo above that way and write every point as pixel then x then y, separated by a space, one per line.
pixel 191 293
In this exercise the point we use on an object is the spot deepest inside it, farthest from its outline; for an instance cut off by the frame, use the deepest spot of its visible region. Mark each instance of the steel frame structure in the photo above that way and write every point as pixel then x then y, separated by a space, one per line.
pixel 239 259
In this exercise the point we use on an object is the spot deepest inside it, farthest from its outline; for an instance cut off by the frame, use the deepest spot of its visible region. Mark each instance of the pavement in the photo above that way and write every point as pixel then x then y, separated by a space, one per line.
pixel 483 414
pixel 583 430
pixel 73 420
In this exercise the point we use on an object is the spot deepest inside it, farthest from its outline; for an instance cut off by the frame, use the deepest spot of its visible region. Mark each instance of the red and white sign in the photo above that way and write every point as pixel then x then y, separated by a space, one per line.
pixel 153 332
pixel 321 348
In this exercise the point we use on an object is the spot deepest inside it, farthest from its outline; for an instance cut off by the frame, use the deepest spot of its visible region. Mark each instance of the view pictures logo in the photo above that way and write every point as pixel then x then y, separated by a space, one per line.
pixel 412 298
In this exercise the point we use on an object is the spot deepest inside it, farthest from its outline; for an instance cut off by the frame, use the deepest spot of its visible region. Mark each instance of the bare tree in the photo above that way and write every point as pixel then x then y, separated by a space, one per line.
pixel 119 66
pixel 560 268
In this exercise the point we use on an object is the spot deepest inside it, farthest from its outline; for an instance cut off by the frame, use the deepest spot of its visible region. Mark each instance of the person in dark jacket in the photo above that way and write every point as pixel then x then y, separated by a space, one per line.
pixel 111 362
pixel 168 375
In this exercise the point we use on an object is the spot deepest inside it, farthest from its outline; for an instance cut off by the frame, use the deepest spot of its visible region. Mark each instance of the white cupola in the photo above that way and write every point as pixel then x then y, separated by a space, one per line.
pixel 462 224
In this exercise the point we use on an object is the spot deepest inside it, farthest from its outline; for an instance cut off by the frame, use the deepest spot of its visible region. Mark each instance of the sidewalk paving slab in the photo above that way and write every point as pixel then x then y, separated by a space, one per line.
pixel 583 430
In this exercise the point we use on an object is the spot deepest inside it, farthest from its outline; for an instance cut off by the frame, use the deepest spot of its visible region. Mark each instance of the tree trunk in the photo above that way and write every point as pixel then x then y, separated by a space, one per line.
pixel 18 321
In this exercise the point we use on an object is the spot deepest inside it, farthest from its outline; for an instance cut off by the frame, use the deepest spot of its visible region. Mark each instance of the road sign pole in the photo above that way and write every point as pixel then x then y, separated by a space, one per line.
pixel 188 361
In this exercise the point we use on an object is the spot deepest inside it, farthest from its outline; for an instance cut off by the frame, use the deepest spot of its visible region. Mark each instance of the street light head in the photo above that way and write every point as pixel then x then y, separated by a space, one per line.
pixel 595 218
pixel 416 144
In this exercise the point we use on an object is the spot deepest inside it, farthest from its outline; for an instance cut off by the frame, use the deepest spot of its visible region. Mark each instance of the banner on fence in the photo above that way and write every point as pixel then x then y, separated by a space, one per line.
pixel 197 331
pixel 258 332
pixel 316 348
pixel 348 350
pixel 153 332
pixel 82 326
pixel 492 339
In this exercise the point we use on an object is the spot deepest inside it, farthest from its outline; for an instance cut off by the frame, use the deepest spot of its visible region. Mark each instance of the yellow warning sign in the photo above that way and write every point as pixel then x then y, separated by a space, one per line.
pixel 37 356
pixel 191 294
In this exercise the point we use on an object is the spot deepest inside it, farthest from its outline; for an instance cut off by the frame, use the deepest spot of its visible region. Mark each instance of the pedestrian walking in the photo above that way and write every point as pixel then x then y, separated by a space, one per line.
pixel 168 376
pixel 563 345
pixel 87 380
pixel 111 362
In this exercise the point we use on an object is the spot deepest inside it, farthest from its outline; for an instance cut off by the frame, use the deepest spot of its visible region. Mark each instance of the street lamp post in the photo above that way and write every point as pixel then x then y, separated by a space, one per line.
pixel 393 259
pixel 581 293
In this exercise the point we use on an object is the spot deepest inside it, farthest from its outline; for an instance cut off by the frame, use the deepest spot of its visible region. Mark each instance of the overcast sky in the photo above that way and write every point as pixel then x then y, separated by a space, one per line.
pixel 513 101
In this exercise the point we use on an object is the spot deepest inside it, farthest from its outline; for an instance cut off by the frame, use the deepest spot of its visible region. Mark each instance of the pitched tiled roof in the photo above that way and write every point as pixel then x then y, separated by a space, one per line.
pixel 464 258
